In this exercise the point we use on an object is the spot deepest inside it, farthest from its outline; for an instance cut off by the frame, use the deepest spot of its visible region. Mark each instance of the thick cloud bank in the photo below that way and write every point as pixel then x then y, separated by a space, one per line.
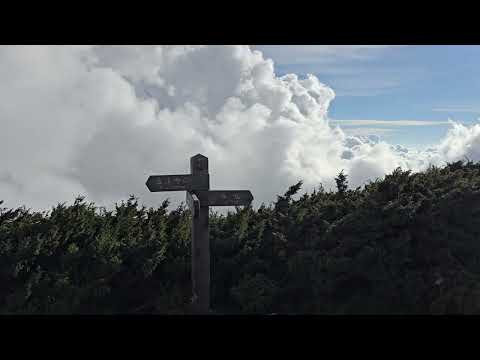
pixel 97 120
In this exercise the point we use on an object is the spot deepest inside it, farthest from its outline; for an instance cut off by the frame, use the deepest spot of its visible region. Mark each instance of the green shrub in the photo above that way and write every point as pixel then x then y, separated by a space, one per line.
pixel 408 244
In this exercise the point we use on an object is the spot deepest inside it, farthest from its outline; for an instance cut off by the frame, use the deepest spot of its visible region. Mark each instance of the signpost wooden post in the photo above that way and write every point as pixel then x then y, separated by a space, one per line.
pixel 199 199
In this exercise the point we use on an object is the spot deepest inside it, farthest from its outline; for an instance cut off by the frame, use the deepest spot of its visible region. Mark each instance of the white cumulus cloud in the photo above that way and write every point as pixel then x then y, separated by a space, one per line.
pixel 97 120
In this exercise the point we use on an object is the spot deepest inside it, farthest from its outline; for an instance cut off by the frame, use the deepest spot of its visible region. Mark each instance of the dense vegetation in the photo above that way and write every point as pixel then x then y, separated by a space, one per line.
pixel 408 244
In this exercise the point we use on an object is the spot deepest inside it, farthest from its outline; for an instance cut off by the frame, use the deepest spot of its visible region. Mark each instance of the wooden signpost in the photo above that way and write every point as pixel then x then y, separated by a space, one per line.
pixel 199 198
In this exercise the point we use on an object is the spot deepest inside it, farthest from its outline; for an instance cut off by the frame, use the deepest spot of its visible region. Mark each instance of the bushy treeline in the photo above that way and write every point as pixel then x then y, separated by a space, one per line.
pixel 405 244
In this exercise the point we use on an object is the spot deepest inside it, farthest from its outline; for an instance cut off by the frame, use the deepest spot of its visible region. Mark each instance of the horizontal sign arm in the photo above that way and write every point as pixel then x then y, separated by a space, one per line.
pixel 187 182
pixel 225 197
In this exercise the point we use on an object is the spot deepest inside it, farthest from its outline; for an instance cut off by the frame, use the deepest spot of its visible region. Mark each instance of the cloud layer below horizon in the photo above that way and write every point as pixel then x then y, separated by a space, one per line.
pixel 97 120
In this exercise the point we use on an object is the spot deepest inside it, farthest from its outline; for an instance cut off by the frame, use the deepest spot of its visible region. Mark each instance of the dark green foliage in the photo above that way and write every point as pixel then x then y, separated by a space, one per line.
pixel 342 183
pixel 406 244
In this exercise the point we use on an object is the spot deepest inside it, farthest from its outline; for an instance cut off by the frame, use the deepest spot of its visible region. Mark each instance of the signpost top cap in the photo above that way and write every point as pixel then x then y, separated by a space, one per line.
pixel 199 156
pixel 199 164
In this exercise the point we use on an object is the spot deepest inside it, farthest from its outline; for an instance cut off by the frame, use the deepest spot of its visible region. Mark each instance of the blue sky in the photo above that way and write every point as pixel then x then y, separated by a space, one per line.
pixel 392 83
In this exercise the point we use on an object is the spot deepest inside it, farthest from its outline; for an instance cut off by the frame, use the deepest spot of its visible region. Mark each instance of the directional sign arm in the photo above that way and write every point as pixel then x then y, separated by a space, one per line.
pixel 225 197
pixel 177 182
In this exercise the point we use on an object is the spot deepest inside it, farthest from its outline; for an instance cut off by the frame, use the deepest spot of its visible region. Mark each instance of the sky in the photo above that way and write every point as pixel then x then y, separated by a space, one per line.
pixel 421 83
pixel 98 120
